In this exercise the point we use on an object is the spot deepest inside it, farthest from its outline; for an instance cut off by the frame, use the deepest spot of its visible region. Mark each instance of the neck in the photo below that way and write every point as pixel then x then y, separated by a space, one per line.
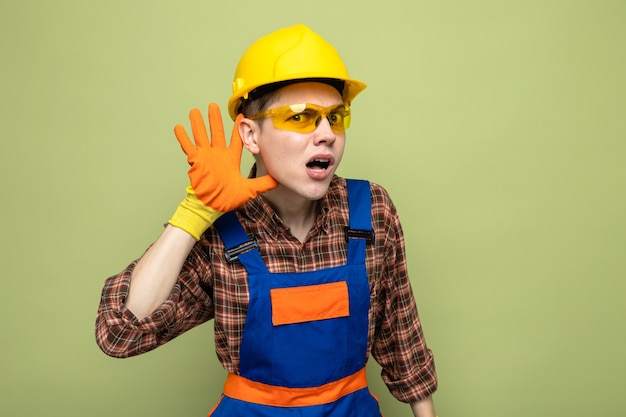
pixel 297 213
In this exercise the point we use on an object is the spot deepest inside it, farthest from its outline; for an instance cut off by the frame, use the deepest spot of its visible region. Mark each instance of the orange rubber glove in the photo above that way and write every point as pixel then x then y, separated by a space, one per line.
pixel 217 185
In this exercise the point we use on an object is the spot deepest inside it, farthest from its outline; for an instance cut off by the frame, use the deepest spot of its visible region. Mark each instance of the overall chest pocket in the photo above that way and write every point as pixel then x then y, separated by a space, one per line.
pixel 310 334
pixel 309 303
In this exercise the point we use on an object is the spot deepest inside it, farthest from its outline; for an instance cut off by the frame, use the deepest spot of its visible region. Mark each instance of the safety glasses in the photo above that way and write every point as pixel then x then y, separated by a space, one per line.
pixel 304 118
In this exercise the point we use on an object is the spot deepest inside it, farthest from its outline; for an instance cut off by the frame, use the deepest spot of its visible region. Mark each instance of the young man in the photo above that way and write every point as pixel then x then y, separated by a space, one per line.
pixel 303 272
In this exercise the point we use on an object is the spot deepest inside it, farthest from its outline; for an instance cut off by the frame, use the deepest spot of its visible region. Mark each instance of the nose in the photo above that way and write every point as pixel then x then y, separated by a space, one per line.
pixel 324 132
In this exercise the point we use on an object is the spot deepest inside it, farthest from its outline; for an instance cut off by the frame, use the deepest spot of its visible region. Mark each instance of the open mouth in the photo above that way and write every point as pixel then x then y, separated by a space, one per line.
pixel 318 164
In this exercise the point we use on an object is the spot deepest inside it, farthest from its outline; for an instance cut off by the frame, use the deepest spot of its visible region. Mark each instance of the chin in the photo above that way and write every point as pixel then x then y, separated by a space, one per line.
pixel 300 186
pixel 316 191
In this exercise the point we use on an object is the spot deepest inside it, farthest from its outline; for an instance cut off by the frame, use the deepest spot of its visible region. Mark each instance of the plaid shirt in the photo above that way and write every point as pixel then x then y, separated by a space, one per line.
pixel 209 287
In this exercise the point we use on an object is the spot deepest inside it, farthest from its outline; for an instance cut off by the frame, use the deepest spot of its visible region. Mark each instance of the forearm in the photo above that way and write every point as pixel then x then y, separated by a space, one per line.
pixel 157 271
pixel 424 407
pixel 216 187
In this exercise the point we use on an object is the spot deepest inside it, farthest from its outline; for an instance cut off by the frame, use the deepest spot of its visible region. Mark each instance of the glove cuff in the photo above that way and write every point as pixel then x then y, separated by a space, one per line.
pixel 193 216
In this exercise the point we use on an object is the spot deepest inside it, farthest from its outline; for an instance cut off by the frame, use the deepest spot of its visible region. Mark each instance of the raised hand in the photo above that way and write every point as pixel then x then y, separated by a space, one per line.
pixel 217 185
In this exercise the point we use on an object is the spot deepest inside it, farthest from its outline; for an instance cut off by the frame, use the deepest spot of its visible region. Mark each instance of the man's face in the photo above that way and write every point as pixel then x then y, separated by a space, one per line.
pixel 303 163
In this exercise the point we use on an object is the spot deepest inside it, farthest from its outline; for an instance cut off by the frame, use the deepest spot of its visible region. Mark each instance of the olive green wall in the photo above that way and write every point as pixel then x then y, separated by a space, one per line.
pixel 499 128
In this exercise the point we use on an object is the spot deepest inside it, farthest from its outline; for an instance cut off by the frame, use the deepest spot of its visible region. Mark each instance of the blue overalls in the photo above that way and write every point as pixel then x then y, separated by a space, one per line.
pixel 304 342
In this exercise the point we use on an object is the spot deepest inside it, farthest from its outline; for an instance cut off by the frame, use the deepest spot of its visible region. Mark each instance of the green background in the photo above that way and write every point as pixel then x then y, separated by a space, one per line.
pixel 498 127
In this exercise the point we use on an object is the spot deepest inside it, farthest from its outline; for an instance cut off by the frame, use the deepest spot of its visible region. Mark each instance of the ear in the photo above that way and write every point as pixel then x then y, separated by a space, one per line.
pixel 249 132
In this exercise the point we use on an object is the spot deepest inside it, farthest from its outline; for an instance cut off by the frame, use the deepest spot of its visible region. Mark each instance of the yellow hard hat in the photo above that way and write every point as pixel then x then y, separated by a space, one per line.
pixel 291 53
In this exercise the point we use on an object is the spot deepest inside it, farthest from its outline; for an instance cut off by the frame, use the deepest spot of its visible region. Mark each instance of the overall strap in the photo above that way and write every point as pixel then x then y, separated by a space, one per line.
pixel 360 230
pixel 238 245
